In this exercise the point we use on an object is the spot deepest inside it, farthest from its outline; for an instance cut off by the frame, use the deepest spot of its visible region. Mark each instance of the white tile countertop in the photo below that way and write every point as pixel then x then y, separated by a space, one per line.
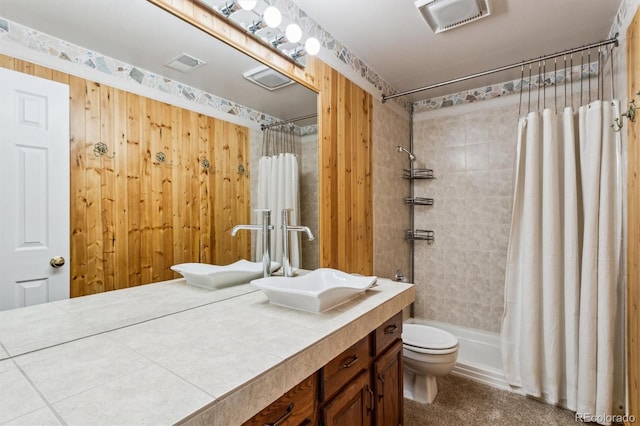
pixel 217 364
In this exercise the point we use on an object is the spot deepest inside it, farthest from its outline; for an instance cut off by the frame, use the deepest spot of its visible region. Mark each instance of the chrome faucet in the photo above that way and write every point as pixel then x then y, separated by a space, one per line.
pixel 265 228
pixel 286 229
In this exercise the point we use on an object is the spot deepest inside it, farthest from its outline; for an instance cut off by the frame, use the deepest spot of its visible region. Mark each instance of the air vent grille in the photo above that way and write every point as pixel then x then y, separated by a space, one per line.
pixel 184 63
pixel 267 78
pixel 443 15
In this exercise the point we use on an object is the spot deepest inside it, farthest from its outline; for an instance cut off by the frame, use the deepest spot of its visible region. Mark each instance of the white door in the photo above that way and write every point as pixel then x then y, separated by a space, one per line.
pixel 34 190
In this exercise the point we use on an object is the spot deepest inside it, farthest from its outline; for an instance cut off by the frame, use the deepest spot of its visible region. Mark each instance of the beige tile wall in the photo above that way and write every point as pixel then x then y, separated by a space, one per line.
pixel 460 277
pixel 390 215
pixel 307 151
pixel 309 200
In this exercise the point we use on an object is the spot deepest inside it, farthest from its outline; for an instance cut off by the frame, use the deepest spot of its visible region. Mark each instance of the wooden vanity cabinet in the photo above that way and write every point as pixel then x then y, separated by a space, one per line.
pixel 373 394
pixel 360 387
pixel 298 407
pixel 387 373
pixel 352 406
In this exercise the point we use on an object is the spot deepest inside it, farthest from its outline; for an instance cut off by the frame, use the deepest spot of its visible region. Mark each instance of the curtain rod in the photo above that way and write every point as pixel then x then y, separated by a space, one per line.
pixel 613 40
pixel 266 126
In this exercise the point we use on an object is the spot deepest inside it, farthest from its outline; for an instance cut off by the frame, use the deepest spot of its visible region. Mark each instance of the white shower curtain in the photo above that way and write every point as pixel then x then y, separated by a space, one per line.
pixel 278 189
pixel 564 248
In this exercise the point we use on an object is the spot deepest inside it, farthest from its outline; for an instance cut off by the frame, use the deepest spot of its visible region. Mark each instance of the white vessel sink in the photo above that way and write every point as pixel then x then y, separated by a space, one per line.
pixel 218 276
pixel 317 291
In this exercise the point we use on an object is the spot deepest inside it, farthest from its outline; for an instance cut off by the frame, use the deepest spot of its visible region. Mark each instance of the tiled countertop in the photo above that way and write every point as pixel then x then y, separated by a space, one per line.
pixel 216 364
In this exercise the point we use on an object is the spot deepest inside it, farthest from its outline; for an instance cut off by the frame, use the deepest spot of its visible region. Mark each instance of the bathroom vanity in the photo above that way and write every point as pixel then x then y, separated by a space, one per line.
pixel 361 386
pixel 233 361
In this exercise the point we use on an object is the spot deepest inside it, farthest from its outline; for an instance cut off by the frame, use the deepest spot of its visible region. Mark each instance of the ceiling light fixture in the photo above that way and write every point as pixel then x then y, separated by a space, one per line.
pixel 312 46
pixel 230 9
pixel 293 33
pixel 247 4
pixel 279 40
pixel 272 16
pixel 267 27
pixel 256 26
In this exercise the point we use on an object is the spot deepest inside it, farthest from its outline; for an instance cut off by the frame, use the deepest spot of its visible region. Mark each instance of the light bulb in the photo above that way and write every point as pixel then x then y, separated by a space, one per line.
pixel 312 46
pixel 293 33
pixel 272 17
pixel 247 4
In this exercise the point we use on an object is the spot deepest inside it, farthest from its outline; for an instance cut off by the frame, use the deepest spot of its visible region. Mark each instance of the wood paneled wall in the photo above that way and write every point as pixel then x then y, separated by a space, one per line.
pixel 132 217
pixel 346 193
pixel 345 151
pixel 633 222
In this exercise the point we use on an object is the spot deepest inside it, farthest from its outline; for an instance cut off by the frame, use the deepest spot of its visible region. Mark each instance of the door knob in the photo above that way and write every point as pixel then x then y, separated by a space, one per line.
pixel 56 261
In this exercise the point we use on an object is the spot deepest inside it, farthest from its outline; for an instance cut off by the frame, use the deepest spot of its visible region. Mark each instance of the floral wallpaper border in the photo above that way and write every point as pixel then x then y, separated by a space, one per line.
pixel 525 84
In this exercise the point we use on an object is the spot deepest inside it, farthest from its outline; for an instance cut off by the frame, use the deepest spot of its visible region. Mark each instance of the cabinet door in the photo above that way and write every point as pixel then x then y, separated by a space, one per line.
pixel 352 406
pixel 387 370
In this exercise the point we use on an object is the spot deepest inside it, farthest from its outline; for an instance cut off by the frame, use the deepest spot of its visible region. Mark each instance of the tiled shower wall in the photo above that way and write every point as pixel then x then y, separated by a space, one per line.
pixel 309 207
pixel 306 149
pixel 460 276
pixel 390 216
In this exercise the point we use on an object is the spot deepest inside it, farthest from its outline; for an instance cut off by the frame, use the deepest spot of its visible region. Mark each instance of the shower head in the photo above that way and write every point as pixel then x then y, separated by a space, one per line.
pixel 409 153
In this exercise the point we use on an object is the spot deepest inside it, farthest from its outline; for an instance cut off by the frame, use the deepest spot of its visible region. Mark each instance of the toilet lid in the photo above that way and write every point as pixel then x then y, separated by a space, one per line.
pixel 424 336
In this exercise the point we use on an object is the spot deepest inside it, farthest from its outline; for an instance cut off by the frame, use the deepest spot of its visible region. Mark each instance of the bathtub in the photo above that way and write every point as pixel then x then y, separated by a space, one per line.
pixel 479 355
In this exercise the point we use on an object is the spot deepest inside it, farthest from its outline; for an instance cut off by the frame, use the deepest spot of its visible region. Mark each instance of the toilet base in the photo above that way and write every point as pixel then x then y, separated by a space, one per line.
pixel 421 389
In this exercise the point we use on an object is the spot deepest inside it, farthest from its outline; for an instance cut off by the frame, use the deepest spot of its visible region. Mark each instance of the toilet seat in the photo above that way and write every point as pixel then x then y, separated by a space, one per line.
pixel 428 340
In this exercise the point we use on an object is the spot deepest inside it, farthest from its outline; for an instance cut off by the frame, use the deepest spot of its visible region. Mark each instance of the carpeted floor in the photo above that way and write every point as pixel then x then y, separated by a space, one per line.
pixel 465 402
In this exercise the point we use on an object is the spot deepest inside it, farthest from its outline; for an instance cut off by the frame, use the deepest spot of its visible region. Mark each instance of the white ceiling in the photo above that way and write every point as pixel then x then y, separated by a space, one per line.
pixel 390 36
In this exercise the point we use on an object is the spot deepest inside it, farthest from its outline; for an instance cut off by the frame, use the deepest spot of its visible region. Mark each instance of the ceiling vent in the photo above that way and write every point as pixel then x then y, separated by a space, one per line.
pixel 266 77
pixel 184 63
pixel 443 15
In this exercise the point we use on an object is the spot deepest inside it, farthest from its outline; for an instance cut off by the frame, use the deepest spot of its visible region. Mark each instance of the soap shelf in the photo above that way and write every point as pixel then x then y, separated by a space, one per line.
pixel 418 174
pixel 419 234
pixel 418 201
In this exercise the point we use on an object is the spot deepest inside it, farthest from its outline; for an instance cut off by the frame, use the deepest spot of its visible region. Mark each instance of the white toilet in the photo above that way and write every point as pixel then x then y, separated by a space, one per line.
pixel 428 352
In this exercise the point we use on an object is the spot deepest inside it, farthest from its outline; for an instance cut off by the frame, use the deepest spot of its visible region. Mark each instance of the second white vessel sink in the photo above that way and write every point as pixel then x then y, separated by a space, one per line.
pixel 218 276
pixel 317 291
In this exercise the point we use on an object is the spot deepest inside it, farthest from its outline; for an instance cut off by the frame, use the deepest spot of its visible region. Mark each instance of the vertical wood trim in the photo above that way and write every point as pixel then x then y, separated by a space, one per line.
pixel 177 227
pixel 134 189
pixel 121 233
pixel 195 160
pixel 95 243
pixel 78 198
pixel 146 195
pixel 107 188
pixel 327 168
pixel 633 223
pixel 155 175
pixel 204 152
pixel 166 139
